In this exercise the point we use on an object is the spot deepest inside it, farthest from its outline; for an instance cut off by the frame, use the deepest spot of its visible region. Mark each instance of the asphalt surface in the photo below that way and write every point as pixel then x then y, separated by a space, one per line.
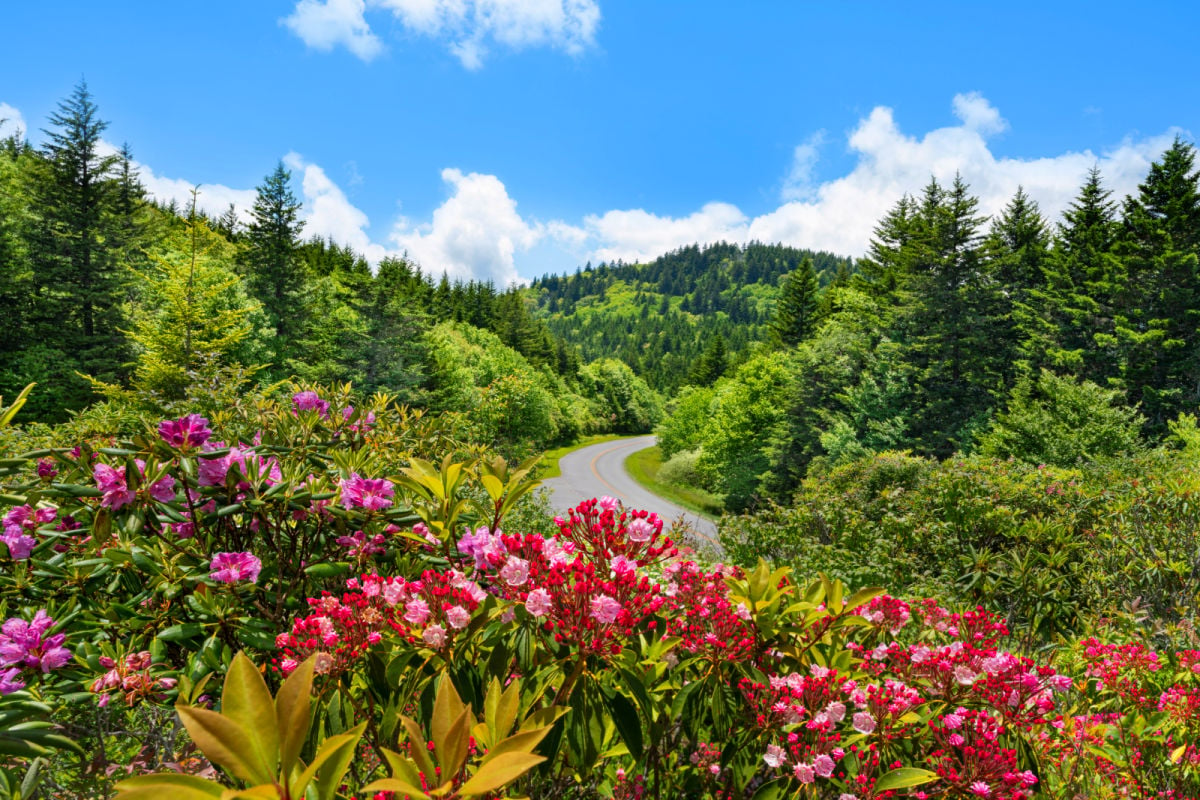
pixel 599 470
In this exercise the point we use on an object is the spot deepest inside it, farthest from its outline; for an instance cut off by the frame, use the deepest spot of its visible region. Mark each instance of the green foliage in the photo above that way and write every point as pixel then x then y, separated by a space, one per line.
pixel 621 401
pixel 795 314
pixel 1062 422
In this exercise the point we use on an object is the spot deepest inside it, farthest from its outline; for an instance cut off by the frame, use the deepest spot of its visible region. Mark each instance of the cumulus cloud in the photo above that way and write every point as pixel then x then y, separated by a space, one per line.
pixel 476 233
pixel 324 25
pixel 467 27
pixel 327 212
pixel 840 214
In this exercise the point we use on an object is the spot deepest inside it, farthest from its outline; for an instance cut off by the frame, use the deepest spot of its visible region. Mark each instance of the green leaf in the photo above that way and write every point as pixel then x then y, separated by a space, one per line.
pixel 905 777
pixel 772 790
pixel 333 759
pixel 179 633
pixel 498 773
pixel 629 725
pixel 397 786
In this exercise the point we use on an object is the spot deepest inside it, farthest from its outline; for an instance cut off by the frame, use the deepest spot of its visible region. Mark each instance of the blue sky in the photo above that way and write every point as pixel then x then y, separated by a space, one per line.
pixel 506 138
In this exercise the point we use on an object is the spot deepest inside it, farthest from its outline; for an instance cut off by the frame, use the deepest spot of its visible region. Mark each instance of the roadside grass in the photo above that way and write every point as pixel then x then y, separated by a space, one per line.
pixel 643 466
pixel 548 465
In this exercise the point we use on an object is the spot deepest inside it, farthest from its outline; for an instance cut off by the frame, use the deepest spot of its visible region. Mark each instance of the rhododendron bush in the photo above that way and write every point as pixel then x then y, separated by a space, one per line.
pixel 412 640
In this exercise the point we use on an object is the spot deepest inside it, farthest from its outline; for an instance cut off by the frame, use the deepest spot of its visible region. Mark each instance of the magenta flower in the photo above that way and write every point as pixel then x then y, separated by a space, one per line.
pixel 212 471
pixel 639 531
pixel 111 481
pixel 804 772
pixel 310 401
pixel 22 644
pixel 234 567
pixel 372 494
pixel 434 636
pixel 538 603
pixel 823 765
pixel 163 489
pixel 361 546
pixel 605 609
pixel 864 722
pixel 46 469
pixel 20 546
pixel 185 432
pixel 9 682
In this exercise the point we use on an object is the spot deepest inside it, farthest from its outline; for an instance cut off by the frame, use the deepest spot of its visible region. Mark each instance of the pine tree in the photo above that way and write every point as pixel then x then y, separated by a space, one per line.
pixel 274 274
pixel 712 364
pixel 796 310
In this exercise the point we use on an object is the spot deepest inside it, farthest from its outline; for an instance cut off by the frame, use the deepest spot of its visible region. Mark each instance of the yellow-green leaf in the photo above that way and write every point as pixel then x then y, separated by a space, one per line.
pixel 293 714
pixel 447 705
pixel 903 778
pixel 498 773
pixel 452 751
pixel 402 768
pixel 400 787
pixel 333 759
pixel 416 741
pixel 224 742
pixel 247 701
pixel 157 787
pixel 523 742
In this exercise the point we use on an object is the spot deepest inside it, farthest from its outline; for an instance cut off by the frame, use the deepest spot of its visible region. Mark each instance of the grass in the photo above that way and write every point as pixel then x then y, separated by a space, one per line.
pixel 644 465
pixel 548 466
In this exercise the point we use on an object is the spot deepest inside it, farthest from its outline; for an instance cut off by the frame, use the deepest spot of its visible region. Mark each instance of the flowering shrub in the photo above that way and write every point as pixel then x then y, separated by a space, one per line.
pixel 325 542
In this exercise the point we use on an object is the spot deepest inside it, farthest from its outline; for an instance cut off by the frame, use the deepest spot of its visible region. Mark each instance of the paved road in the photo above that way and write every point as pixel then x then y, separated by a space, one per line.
pixel 599 470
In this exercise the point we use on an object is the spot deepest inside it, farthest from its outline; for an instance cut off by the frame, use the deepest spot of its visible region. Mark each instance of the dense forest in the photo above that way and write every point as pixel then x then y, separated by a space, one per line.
pixel 682 318
pixel 107 294
pixel 955 334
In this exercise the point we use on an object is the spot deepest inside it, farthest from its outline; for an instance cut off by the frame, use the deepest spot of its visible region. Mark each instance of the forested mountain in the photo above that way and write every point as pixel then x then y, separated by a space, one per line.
pixel 682 318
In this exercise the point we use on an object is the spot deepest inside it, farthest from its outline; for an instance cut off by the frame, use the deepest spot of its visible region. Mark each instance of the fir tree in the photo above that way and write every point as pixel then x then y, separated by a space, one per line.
pixel 273 271
pixel 796 311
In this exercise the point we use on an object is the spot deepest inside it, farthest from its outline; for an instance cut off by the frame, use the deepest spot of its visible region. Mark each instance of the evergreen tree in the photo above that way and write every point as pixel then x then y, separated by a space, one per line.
pixel 74 248
pixel 274 274
pixel 796 310
pixel 1075 332
pixel 1158 314
pixel 1018 248
pixel 711 364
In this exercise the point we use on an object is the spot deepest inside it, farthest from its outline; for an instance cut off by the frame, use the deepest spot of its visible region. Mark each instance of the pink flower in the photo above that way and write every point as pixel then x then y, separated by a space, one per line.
pixel 416 611
pixel 956 739
pixel 639 531
pixel 804 772
pixel 980 788
pixel 46 469
pixel 823 765
pixel 434 636
pixel 864 722
pixel 836 711
pixel 624 566
pixel 185 432
pixel 538 603
pixel 111 481
pixel 372 494
pixel 234 567
pixel 515 571
pixel 310 401
pixel 775 756
pixel 458 617
pixel 22 644
pixel 605 609
pixel 608 503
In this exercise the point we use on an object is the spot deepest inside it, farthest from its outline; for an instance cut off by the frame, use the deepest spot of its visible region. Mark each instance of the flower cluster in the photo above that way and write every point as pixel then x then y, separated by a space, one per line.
pixel 117 491
pixel 234 567
pixel 370 494
pixel 131 679
pixel 704 617
pixel 185 433
pixel 25 646
pixel 19 525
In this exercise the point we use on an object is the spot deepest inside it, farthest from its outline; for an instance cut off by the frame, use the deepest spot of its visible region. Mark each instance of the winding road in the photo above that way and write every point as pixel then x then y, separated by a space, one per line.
pixel 599 470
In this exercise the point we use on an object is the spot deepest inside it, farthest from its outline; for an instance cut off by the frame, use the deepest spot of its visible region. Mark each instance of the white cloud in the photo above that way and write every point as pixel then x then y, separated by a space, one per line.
pixel 467 27
pixel 11 122
pixel 328 24
pixel 840 214
pixel 474 234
